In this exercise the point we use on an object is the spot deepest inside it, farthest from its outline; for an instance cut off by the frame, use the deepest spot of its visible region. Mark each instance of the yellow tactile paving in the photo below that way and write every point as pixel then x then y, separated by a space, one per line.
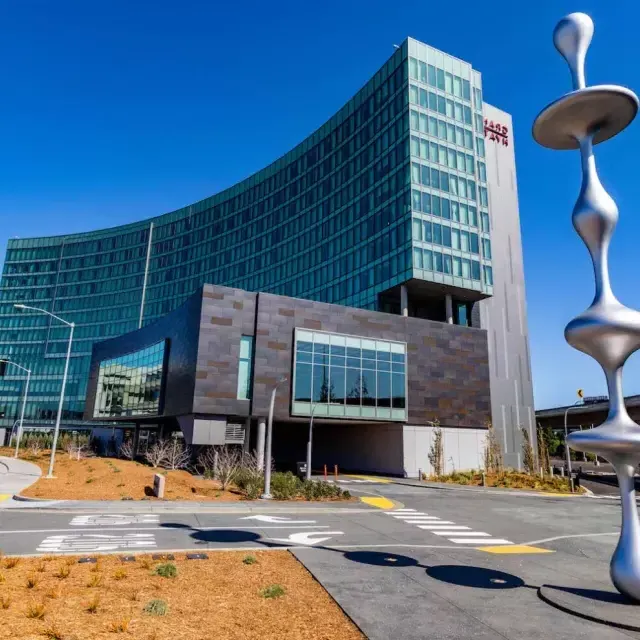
pixel 370 478
pixel 514 548
pixel 377 501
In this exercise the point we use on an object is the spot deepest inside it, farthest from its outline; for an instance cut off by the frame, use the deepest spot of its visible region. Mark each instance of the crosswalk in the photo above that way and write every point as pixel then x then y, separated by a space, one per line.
pixel 458 534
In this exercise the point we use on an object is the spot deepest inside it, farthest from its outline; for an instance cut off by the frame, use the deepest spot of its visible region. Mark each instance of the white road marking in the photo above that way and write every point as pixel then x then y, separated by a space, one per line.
pixel 308 538
pixel 416 514
pixel 277 519
pixel 169 527
pixel 483 541
pixel 572 535
pixel 416 518
pixel 91 543
pixel 400 511
pixel 442 524
pixel 449 532
pixel 106 520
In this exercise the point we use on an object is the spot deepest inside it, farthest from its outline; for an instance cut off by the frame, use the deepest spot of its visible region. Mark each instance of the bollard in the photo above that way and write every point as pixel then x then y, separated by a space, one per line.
pixel 484 479
pixel 325 472
pixel 542 472
pixel 551 470
pixel 562 472
pixel 571 484
pixel 335 471
pixel 420 475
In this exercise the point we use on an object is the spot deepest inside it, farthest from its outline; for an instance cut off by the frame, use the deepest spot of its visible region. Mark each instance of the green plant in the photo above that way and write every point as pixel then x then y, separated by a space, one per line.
pixel 166 570
pixel 89 480
pixel 63 572
pixel 36 610
pixel 92 607
pixel 120 574
pixel 156 608
pixel 119 626
pixel 53 632
pixel 493 462
pixel 96 580
pixel 528 453
pixel 285 486
pixel 318 489
pixel 273 591
pixel 436 451
pixel 32 581
pixel 249 560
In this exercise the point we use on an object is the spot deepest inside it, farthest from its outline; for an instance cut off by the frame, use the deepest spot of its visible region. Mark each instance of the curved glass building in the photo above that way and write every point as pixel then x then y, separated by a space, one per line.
pixel 384 207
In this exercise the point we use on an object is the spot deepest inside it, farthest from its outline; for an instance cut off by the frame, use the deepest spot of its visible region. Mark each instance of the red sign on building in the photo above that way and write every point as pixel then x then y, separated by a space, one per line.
pixel 496 132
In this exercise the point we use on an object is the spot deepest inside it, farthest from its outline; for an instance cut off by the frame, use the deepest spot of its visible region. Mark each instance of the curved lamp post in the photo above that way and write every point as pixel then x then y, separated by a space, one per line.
pixel 24 400
pixel 607 330
pixel 267 461
pixel 71 325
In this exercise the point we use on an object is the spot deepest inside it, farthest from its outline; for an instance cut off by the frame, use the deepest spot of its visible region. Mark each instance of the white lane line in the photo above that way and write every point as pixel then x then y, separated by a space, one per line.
pixel 448 532
pixel 400 511
pixel 416 514
pixel 483 541
pixel 414 518
pixel 244 527
pixel 443 524
pixel 423 520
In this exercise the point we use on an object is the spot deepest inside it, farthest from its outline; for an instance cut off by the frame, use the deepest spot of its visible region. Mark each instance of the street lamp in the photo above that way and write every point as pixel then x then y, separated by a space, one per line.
pixel 24 400
pixel 267 463
pixel 64 380
pixel 566 435
pixel 309 442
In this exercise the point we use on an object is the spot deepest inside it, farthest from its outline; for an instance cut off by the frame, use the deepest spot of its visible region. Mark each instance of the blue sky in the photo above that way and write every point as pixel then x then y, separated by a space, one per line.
pixel 114 110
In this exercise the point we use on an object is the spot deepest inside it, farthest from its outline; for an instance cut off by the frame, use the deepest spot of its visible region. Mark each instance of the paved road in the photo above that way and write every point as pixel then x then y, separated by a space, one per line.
pixel 443 563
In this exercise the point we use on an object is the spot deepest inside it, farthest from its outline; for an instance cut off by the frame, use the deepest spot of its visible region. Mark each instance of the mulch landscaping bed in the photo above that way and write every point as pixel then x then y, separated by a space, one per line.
pixel 508 480
pixel 114 479
pixel 225 596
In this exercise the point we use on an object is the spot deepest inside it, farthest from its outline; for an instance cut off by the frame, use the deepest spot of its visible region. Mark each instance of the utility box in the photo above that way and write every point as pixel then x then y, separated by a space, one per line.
pixel 158 485
pixel 301 469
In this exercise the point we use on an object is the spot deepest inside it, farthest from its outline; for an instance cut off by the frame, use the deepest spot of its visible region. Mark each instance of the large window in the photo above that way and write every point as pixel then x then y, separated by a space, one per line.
pixel 244 368
pixel 130 385
pixel 346 376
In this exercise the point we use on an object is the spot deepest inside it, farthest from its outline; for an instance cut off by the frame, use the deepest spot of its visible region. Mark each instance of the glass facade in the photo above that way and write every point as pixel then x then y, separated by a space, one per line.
pixel 331 221
pixel 244 368
pixel 449 198
pixel 130 385
pixel 349 377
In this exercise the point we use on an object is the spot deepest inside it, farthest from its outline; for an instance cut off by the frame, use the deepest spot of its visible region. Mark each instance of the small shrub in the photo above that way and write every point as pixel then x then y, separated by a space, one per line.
pixel 134 595
pixel 273 591
pixel 36 611
pixel 63 572
pixel 119 626
pixel 285 486
pixel 89 480
pixel 166 570
pixel 32 581
pixel 253 489
pixel 70 561
pixel 2 578
pixel 96 580
pixel 41 567
pixel 5 602
pixel 10 563
pixel 249 560
pixel 53 632
pixel 146 563
pixel 53 593
pixel 92 607
pixel 156 608
pixel 120 574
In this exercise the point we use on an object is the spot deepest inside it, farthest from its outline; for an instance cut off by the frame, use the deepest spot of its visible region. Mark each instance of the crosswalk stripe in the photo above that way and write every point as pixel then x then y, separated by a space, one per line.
pixel 443 524
pixel 419 519
pixel 478 534
pixel 480 541
pixel 402 510
pixel 408 516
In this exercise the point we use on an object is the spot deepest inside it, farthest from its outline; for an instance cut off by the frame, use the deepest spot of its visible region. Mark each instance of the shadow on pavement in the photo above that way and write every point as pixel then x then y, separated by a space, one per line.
pixel 478 577
pixel 379 558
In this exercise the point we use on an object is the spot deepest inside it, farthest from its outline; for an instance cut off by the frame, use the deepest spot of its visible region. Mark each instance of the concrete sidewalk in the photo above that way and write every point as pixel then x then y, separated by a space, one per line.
pixel 15 476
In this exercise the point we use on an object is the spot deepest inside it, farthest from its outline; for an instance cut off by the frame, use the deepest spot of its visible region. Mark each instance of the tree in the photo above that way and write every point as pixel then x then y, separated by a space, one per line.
pixel 126 450
pixel 436 451
pixel 493 462
pixel 157 453
pixel 178 456
pixel 528 453
pixel 543 449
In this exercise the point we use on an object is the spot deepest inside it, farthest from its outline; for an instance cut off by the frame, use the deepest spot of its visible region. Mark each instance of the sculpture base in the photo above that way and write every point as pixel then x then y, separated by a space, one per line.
pixel 606 605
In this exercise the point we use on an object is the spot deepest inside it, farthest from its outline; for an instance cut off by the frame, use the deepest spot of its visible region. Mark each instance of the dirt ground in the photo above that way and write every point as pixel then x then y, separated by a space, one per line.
pixel 218 598
pixel 115 479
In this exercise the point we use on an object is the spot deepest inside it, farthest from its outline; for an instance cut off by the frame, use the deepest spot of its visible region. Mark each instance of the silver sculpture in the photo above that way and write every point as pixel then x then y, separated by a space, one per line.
pixel 607 331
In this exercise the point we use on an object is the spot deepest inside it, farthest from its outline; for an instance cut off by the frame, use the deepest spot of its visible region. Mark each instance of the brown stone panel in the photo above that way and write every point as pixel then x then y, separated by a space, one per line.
pixel 222 321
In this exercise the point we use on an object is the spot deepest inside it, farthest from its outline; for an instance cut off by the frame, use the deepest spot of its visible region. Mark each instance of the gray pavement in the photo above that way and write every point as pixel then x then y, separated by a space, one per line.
pixel 16 475
pixel 432 566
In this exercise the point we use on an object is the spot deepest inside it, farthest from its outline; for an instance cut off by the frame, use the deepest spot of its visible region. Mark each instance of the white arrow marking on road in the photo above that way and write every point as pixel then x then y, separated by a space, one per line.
pixel 106 519
pixel 278 519
pixel 309 538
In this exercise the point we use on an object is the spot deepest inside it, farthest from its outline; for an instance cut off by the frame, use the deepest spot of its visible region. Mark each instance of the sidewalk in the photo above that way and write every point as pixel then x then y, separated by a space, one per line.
pixel 15 476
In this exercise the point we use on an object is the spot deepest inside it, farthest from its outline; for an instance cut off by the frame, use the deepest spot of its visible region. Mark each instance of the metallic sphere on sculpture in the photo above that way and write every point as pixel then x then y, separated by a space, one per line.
pixel 607 330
